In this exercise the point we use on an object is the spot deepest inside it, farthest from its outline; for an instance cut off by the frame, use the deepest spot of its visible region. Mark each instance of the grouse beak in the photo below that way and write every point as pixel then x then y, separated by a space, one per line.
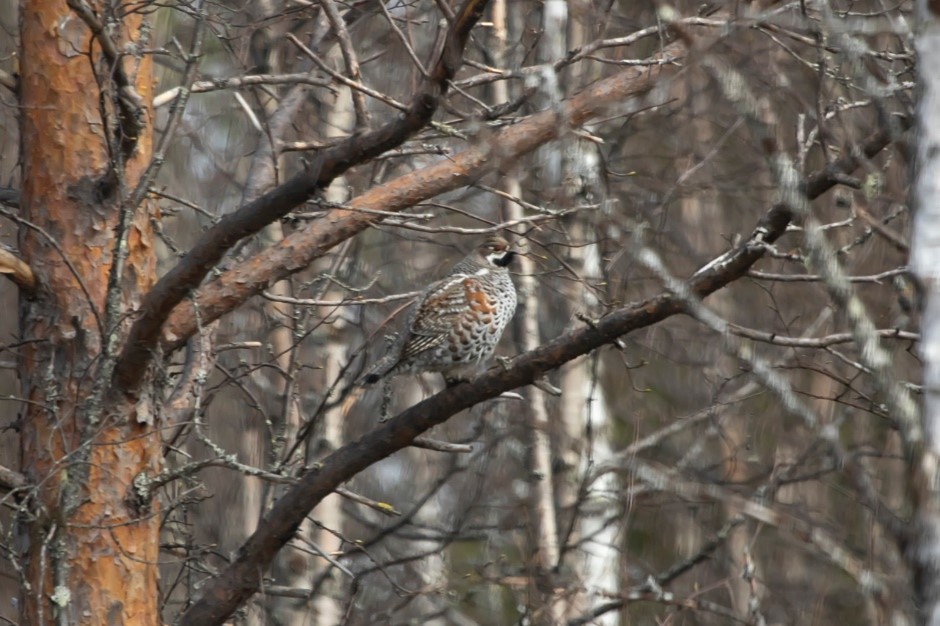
pixel 506 259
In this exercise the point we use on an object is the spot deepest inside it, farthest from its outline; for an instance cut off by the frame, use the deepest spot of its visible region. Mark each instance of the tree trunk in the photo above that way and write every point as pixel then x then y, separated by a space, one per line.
pixel 925 262
pixel 91 556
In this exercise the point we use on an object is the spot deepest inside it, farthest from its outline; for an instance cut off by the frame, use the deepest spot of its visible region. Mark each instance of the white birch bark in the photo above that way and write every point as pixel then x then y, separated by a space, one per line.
pixel 924 553
pixel 544 512
pixel 583 406
pixel 545 533
pixel 327 607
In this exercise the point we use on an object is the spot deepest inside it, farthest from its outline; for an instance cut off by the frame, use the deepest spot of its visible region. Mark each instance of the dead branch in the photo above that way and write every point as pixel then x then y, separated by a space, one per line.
pixel 235 584
pixel 255 215
pixel 298 250
pixel 17 271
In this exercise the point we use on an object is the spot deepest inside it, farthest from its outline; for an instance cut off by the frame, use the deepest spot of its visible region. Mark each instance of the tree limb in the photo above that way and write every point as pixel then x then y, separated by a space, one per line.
pixel 236 583
pixel 253 216
pixel 17 271
pixel 241 578
pixel 296 251
pixel 10 480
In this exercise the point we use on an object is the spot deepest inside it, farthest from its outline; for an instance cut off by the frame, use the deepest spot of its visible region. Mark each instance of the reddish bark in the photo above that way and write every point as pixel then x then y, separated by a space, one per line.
pixel 84 539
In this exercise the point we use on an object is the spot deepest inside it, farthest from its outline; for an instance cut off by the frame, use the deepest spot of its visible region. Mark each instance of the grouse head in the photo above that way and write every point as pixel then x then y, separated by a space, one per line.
pixel 495 251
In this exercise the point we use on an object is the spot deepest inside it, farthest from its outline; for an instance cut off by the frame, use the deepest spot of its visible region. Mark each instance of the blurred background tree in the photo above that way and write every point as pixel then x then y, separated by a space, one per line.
pixel 755 459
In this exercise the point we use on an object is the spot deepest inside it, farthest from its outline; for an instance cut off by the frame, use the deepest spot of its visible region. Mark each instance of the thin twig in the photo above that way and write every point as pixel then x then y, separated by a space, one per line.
pixel 352 62
pixel 382 507
pixel 355 85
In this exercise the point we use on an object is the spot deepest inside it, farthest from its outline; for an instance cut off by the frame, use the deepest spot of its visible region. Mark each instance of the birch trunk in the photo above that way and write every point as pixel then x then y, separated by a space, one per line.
pixel 925 263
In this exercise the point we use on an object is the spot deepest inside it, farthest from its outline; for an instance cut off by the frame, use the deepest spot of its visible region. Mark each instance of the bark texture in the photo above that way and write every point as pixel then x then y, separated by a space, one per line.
pixel 91 554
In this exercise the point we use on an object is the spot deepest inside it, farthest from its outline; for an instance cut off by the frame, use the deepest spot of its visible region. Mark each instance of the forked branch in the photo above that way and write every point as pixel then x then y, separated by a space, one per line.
pixel 235 584
pixel 253 216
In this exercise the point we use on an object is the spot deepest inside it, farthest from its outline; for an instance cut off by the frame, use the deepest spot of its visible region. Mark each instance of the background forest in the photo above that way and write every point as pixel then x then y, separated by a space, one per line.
pixel 716 307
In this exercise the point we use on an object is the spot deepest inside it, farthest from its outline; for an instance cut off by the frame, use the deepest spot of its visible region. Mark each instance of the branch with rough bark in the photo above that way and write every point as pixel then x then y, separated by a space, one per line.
pixel 297 251
pixel 235 584
pixel 253 216
pixel 241 579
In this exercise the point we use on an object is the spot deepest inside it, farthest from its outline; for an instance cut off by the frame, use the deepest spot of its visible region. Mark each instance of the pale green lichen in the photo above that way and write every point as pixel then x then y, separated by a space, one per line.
pixel 61 596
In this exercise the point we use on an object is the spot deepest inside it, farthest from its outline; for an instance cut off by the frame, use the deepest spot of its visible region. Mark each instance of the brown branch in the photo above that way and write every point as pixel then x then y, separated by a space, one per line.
pixel 17 271
pixel 255 215
pixel 503 148
pixel 10 480
pixel 241 578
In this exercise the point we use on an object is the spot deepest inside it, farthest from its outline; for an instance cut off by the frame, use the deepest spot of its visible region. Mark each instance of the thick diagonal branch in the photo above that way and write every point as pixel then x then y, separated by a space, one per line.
pixel 241 578
pixel 497 151
pixel 252 217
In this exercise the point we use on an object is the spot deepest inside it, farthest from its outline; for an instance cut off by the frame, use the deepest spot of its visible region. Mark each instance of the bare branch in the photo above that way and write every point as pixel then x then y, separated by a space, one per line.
pixel 351 60
pixel 382 507
pixel 242 577
pixel 441 446
pixel 10 480
pixel 255 215
pixel 297 250
pixel 814 342
pixel 129 101
pixel 237 82
pixel 17 271
pixel 357 87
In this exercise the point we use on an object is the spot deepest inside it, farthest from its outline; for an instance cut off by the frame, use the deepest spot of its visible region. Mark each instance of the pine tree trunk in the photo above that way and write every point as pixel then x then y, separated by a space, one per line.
pixel 91 556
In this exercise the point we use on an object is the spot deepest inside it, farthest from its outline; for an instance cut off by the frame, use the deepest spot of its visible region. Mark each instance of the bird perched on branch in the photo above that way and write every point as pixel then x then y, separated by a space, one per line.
pixel 458 320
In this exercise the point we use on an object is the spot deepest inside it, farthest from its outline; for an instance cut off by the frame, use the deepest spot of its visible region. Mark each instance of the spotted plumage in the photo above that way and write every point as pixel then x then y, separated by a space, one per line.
pixel 457 321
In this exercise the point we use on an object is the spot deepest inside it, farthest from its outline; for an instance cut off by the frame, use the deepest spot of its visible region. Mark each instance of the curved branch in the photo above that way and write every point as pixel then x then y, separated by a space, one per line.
pixel 18 271
pixel 11 480
pixel 241 578
pixel 502 149
pixel 253 216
